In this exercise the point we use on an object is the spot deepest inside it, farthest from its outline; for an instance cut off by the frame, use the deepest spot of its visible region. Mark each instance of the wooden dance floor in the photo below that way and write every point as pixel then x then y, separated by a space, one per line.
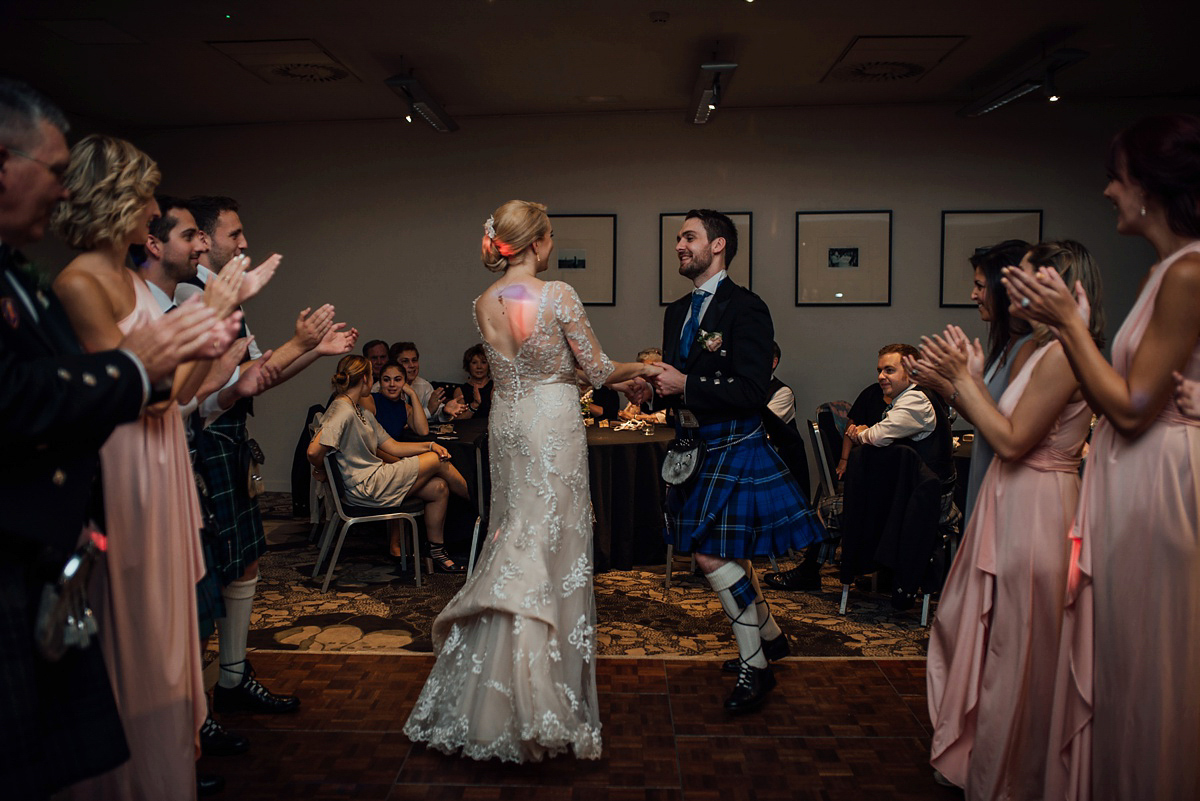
pixel 833 729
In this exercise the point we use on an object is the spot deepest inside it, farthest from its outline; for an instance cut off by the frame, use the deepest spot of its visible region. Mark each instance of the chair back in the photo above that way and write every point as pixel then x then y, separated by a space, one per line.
pixel 824 474
pixel 336 483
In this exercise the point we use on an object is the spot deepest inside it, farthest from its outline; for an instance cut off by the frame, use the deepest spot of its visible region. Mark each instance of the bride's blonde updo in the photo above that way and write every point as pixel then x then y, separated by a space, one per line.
pixel 510 230
pixel 350 372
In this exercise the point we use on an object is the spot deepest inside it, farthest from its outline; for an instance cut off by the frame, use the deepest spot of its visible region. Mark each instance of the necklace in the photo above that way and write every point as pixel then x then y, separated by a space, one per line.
pixel 354 406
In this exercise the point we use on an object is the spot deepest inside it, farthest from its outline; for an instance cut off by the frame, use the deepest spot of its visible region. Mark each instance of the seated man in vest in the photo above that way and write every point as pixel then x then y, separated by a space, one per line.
pixel 782 401
pixel 899 492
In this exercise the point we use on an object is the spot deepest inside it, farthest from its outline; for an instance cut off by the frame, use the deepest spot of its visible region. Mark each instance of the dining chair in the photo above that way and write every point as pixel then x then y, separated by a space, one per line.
pixel 344 515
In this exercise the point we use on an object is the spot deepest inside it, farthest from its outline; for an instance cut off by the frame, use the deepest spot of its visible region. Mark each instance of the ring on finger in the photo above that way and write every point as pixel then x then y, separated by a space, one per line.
pixel 1025 303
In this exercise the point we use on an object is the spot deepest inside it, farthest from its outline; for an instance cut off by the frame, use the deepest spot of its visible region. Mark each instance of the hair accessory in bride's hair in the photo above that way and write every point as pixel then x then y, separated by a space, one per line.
pixel 489 227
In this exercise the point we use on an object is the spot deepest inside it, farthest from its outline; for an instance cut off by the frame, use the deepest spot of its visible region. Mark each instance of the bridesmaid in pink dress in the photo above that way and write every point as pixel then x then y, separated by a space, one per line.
pixel 1126 721
pixel 145 595
pixel 994 645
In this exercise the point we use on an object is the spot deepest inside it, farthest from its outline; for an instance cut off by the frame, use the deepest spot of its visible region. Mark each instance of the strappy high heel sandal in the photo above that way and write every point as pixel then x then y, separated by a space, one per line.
pixel 442 563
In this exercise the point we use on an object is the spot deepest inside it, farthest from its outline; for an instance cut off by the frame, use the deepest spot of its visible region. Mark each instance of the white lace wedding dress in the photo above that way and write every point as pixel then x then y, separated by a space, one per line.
pixel 515 676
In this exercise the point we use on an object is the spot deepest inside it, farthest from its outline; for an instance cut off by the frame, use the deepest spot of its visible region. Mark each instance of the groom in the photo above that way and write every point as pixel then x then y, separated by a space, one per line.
pixel 717 351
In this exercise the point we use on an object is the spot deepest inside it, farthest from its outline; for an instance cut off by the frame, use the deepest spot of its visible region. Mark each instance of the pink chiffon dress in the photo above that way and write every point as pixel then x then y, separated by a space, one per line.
pixel 1126 719
pixel 994 645
pixel 145 599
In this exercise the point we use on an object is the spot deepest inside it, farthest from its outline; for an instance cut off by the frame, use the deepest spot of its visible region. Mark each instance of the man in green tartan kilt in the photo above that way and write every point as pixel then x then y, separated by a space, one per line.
pixel 717 353
pixel 222 460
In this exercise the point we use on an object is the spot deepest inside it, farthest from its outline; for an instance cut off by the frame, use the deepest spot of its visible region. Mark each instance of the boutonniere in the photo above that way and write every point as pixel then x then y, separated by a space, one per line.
pixel 35 274
pixel 711 340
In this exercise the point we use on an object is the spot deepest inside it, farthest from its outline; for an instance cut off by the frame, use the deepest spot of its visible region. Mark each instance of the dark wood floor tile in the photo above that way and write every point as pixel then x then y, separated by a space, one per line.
pixel 355 692
pixel 426 792
pixel 630 676
pixel 906 675
pixel 920 709
pixel 814 698
pixel 639 752
pixel 345 765
pixel 831 769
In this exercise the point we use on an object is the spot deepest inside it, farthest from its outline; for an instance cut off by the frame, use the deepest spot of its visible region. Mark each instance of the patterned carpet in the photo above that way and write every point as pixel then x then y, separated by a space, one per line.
pixel 371 607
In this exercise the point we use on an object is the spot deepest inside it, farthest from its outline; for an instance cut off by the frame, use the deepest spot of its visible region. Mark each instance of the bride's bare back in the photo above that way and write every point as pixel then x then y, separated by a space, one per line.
pixel 507 313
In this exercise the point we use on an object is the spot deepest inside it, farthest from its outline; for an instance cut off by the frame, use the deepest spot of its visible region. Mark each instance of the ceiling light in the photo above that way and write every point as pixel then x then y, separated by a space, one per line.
pixel 1037 75
pixel 1049 90
pixel 711 85
pixel 420 103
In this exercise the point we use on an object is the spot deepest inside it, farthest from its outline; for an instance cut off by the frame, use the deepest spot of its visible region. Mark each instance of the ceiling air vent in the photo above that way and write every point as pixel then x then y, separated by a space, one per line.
pixel 876 72
pixel 308 73
pixel 287 61
pixel 890 59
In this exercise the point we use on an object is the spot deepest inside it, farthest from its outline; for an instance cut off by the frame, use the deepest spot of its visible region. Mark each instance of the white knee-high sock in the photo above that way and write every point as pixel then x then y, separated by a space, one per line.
pixel 767 626
pixel 234 629
pixel 737 599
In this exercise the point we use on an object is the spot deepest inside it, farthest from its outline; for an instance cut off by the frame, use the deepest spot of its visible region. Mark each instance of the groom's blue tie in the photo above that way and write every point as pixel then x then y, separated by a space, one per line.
pixel 692 325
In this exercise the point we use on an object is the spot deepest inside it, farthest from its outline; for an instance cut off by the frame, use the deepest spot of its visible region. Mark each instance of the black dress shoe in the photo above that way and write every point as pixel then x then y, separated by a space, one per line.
pixel 209 783
pixel 774 650
pixel 251 696
pixel 216 740
pixel 804 577
pixel 751 690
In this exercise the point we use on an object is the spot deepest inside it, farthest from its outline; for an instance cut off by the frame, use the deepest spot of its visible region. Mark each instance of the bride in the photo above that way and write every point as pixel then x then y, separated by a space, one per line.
pixel 515 676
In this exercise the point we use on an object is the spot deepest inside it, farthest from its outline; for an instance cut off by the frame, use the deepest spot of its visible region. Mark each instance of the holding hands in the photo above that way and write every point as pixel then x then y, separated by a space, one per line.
pixel 668 380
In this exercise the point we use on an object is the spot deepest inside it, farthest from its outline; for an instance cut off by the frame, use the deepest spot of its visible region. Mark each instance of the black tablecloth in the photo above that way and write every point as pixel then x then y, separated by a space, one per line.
pixel 627 496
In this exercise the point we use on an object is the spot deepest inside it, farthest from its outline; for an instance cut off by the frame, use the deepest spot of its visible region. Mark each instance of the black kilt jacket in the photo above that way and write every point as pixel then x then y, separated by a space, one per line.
pixel 58 721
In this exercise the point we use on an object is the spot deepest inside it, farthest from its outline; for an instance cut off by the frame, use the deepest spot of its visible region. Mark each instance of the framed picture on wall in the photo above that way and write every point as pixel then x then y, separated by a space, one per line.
pixel 672 285
pixel 585 256
pixel 965 233
pixel 843 258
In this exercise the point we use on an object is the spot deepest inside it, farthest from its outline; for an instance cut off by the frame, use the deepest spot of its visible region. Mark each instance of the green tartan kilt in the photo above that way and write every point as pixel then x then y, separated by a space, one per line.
pixel 222 462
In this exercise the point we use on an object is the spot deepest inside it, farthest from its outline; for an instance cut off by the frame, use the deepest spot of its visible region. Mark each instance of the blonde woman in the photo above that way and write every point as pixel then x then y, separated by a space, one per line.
pixel 993 649
pixel 146 601
pixel 378 470
pixel 515 677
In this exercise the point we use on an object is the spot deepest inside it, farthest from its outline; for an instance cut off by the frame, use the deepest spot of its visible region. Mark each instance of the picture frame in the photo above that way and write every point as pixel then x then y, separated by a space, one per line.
pixel 965 233
pixel 585 256
pixel 844 258
pixel 672 285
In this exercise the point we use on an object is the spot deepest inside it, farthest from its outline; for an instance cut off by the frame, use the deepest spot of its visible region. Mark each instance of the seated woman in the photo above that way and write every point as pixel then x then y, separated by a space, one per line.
pixel 360 443
pixel 396 406
pixel 476 391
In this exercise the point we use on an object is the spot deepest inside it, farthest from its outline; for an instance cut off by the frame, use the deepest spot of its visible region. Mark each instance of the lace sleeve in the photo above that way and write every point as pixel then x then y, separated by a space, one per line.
pixel 568 310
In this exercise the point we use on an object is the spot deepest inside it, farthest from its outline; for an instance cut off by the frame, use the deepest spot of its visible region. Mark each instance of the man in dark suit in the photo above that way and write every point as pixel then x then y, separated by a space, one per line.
pixel 58 720
pixel 744 502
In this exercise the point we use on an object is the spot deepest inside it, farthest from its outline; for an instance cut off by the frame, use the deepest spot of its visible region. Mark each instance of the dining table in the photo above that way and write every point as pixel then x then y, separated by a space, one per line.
pixel 626 487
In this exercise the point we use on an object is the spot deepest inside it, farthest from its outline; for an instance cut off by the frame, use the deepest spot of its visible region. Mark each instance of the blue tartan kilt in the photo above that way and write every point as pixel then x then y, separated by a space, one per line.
pixel 744 503
pixel 222 461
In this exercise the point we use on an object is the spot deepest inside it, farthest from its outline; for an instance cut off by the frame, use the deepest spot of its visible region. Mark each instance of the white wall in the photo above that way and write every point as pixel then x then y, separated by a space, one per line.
pixel 383 219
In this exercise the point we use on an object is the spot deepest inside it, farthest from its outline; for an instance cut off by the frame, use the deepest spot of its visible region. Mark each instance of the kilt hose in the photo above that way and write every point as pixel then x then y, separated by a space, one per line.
pixel 744 502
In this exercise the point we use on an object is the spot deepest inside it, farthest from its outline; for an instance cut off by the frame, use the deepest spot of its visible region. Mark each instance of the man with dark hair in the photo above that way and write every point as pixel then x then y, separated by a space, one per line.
pixel 222 460
pixel 743 503
pixel 376 352
pixel 57 407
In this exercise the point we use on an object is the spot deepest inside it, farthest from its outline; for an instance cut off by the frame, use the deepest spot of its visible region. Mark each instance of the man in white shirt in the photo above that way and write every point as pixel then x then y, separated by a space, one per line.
pixel 894 509
pixel 434 400
pixel 910 415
